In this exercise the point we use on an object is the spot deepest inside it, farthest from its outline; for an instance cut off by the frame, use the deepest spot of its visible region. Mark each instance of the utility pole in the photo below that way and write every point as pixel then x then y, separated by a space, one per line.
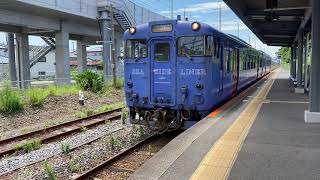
pixel 113 50
pixel 220 20
pixel 171 9
pixel 238 30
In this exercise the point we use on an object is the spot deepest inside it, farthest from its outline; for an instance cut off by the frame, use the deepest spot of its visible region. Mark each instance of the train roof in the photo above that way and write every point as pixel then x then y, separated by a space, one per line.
pixel 144 30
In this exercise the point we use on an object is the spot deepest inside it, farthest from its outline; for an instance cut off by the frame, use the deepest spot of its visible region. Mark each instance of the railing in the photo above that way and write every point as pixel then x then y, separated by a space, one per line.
pixel 135 13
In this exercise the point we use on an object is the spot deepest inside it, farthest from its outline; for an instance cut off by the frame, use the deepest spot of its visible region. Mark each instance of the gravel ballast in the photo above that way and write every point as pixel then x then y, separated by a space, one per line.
pixel 52 149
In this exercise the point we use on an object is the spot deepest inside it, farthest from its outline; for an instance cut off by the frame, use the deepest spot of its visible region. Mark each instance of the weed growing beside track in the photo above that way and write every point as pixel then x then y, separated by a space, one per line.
pixel 10 101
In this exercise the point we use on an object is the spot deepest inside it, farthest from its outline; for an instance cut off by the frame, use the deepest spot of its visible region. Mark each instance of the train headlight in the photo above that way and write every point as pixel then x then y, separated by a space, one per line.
pixel 132 30
pixel 195 26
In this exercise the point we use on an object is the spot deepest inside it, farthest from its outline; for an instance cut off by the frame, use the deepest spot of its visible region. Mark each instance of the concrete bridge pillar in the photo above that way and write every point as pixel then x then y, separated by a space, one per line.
pixel 300 88
pixel 106 39
pixel 24 60
pixel 62 57
pixel 313 115
pixel 12 59
pixel 81 56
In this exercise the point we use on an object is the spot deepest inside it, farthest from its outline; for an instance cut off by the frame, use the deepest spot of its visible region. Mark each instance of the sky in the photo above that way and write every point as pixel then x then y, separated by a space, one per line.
pixel 206 11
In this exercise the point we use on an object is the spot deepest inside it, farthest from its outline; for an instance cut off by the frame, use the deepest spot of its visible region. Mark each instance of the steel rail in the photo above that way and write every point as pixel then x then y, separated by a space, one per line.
pixel 58 131
pixel 110 161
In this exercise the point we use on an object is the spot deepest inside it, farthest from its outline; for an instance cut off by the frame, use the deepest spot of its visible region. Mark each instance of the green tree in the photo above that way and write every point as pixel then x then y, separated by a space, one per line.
pixel 285 54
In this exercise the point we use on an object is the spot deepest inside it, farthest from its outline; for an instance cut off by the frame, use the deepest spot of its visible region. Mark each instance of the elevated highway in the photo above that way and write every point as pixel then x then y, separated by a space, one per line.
pixel 87 21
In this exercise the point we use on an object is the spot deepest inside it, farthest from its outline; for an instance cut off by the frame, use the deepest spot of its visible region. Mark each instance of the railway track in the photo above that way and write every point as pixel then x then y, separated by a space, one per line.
pixel 128 160
pixel 45 135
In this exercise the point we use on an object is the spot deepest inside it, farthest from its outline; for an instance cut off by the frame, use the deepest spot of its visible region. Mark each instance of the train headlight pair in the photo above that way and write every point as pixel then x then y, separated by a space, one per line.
pixel 132 30
pixel 195 26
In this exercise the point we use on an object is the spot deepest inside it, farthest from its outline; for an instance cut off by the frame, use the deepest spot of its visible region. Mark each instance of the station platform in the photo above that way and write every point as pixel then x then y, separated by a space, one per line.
pixel 260 134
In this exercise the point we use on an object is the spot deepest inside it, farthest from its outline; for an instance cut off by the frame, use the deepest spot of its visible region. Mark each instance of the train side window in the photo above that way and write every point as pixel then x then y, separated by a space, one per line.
pixel 209 46
pixel 231 59
pixel 191 46
pixel 162 52
pixel 216 47
pixel 226 58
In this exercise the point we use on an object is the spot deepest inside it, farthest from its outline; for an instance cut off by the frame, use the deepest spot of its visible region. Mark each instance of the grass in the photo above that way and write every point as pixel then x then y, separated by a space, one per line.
pixel 13 101
pixel 141 131
pixel 115 143
pixel 65 147
pixel 83 128
pixel 108 90
pixel 49 171
pixel 10 100
pixel 84 113
pixel 36 96
pixel 101 109
pixel 109 107
pixel 124 116
pixel 62 90
pixel 50 123
pixel 74 164
pixel 28 146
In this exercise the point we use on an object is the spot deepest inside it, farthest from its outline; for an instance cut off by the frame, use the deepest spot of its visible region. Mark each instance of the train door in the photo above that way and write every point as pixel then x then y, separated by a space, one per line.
pixel 163 72
pixel 235 70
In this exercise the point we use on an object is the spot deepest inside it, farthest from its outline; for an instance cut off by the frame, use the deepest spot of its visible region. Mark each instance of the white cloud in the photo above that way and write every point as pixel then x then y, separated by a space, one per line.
pixel 200 8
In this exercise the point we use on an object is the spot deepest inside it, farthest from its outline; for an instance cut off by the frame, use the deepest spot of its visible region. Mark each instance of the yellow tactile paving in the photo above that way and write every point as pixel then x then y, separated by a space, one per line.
pixel 218 162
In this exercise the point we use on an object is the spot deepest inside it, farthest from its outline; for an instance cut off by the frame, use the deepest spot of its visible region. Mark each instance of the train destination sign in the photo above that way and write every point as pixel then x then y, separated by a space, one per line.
pixel 162 28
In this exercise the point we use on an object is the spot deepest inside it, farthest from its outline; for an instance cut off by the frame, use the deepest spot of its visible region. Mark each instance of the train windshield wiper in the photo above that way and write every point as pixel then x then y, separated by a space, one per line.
pixel 137 59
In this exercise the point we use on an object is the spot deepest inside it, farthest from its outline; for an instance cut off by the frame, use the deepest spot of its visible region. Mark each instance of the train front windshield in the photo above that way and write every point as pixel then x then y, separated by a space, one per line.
pixel 136 48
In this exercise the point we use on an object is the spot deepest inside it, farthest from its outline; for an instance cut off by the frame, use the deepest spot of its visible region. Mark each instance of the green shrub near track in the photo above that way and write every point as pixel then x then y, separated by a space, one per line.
pixel 36 97
pixel 90 81
pixel 10 100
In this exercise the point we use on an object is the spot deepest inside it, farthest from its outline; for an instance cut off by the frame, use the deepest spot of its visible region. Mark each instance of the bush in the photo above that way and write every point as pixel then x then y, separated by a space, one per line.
pixel 36 96
pixel 90 81
pixel 10 100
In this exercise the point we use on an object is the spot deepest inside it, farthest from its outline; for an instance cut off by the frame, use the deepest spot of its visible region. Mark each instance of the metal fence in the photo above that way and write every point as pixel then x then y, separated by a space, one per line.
pixel 136 14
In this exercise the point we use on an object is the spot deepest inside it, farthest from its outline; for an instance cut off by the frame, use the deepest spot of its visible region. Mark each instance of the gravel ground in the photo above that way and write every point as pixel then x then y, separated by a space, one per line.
pixel 56 109
pixel 82 158
pixel 52 149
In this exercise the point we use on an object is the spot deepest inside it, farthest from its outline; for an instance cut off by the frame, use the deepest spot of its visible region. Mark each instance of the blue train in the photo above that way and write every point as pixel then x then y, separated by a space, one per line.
pixel 176 72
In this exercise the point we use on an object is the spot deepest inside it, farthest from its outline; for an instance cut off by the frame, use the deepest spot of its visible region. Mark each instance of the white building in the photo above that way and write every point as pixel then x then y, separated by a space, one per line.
pixel 45 67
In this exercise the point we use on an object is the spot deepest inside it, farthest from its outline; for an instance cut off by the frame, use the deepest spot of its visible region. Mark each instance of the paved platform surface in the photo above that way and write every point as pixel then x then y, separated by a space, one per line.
pixel 278 145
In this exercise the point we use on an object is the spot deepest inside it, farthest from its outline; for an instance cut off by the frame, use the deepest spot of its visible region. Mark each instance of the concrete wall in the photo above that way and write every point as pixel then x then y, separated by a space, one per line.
pixel 86 8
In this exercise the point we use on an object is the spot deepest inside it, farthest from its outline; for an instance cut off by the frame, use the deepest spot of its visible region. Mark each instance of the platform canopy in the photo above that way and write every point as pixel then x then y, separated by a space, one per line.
pixel 275 22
